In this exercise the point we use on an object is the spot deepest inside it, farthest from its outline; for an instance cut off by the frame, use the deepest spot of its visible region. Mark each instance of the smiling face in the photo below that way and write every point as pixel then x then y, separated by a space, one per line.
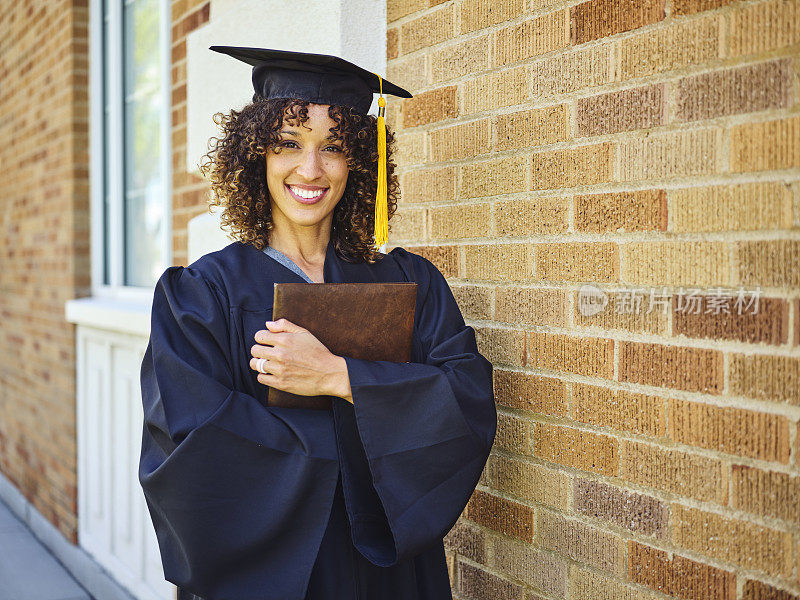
pixel 306 172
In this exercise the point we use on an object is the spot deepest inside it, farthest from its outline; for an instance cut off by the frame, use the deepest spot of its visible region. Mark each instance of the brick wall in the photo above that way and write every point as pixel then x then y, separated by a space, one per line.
pixel 188 189
pixel 625 144
pixel 44 246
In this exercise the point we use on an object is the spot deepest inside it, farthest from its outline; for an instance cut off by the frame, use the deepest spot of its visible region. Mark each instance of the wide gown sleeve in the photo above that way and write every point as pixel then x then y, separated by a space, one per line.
pixel 425 431
pixel 239 493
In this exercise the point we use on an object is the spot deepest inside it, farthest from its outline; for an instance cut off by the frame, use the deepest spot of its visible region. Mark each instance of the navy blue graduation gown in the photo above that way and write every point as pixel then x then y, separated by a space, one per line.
pixel 252 502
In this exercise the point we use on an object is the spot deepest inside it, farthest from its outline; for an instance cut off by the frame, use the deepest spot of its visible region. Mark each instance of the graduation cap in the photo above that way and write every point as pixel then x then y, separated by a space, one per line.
pixel 323 79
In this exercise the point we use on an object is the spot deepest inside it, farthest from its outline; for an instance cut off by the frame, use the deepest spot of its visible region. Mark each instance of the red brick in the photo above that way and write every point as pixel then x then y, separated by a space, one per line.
pixel 768 322
pixel 752 88
pixel 637 108
pixel 678 576
pixel 501 515
pixel 600 18
pixel 683 368
pixel 757 590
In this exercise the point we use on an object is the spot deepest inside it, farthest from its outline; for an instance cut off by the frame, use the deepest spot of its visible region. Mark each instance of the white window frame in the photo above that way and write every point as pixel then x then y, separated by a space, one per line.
pixel 116 290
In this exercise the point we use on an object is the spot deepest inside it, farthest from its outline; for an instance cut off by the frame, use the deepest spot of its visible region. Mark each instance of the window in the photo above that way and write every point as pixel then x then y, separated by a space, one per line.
pixel 130 144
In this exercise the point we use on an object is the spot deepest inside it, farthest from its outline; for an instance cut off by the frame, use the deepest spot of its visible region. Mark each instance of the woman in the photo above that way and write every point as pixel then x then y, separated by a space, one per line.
pixel 257 502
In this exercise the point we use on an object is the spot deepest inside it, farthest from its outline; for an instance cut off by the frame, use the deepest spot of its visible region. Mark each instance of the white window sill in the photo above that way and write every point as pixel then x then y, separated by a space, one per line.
pixel 123 316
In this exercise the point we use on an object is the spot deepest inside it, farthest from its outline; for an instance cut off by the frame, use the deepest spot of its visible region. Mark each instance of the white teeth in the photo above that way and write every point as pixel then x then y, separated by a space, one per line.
pixel 308 194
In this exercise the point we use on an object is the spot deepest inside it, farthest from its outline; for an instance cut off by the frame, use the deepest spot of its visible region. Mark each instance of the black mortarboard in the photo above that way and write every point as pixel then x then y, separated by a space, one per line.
pixel 323 79
pixel 317 78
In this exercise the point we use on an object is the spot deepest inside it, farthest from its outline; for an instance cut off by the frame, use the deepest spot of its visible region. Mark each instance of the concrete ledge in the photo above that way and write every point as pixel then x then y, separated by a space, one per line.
pixel 81 566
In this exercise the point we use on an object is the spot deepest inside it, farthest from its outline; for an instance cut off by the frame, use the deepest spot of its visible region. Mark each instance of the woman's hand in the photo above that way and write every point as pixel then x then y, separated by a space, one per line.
pixel 297 362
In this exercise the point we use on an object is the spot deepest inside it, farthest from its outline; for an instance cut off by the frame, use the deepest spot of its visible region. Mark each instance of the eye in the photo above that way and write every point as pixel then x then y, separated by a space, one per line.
pixel 334 148
pixel 286 144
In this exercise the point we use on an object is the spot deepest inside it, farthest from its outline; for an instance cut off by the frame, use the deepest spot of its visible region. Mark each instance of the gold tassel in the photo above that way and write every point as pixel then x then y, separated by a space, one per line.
pixel 381 202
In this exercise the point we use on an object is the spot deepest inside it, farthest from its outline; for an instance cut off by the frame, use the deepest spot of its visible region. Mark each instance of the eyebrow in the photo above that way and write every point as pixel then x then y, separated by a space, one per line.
pixel 294 133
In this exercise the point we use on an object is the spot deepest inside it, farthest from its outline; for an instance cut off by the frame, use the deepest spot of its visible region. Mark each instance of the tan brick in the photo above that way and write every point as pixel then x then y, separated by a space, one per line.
pixel 576 448
pixel 529 482
pixel 542 570
pixel 408 72
pixel 635 512
pixel 407 224
pixel 766 146
pixel 593 357
pixel 585 583
pixel 643 210
pixel 757 590
pixel 747 89
pixel 531 306
pixel 467 57
pixel 619 409
pixel 531 128
pixel 400 8
pixel 513 435
pixel 683 473
pixel 498 262
pixel 410 148
pixel 494 90
pixel 678 576
pixel 764 26
pixel 467 540
pixel 593 261
pixel 772 263
pixel 523 391
pixel 482 585
pixel 597 19
pixel 747 206
pixel 531 216
pixel 572 167
pixel 682 43
pixel 555 76
pixel 492 177
pixel 679 367
pixel 427 30
pixel 392 43
pixel 475 301
pixel 688 7
pixel 445 258
pixel 477 14
pixel 635 309
pixel 429 107
pixel 430 185
pixel 578 541
pixel 460 221
pixel 766 493
pixel 502 346
pixel 465 140
pixel 675 263
pixel 501 515
pixel 731 540
pixel 730 319
pixel 530 38
pixel 732 430
pixel 672 154
pixel 774 378
pixel 636 108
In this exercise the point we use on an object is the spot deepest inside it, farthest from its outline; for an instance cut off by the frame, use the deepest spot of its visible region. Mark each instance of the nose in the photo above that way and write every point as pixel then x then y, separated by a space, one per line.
pixel 310 166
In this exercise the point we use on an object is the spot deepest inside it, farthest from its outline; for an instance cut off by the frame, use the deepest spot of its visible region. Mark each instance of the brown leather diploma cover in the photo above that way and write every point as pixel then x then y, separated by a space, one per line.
pixel 370 321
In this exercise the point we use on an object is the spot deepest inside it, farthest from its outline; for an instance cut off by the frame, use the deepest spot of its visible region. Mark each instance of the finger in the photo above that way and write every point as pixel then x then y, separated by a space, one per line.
pixel 268 352
pixel 283 325
pixel 264 336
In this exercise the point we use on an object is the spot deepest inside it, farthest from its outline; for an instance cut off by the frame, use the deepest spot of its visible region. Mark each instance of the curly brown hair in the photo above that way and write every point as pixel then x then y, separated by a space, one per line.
pixel 236 168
